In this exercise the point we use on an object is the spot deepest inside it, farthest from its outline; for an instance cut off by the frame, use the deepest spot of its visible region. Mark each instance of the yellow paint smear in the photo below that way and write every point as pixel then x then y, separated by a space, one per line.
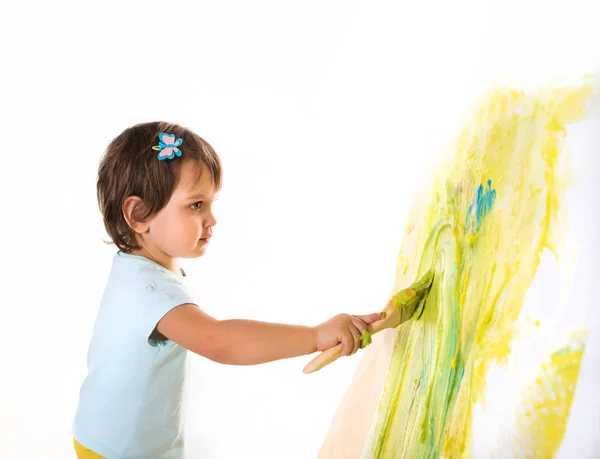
pixel 546 403
pixel 496 204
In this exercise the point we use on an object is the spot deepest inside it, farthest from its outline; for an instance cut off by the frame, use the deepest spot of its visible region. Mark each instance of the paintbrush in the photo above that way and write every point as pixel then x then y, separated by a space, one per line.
pixel 405 305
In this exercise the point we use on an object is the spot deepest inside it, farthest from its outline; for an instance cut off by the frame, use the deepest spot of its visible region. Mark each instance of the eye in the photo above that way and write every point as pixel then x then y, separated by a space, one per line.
pixel 196 205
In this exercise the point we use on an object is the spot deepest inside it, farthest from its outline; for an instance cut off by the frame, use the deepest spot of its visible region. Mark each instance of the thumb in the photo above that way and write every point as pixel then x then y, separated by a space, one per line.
pixel 370 318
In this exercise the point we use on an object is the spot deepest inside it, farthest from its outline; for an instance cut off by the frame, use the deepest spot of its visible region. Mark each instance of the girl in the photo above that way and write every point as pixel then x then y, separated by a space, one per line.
pixel 156 186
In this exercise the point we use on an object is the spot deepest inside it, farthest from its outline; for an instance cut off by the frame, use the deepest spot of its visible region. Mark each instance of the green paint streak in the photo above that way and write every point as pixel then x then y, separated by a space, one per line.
pixel 365 339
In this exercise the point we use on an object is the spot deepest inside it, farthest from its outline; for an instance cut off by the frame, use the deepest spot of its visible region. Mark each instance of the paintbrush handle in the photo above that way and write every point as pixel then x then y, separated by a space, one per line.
pixel 376 327
pixel 333 353
pixel 323 359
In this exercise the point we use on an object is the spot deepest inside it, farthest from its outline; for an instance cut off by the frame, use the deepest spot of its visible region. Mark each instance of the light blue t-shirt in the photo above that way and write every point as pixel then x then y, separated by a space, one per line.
pixel 130 401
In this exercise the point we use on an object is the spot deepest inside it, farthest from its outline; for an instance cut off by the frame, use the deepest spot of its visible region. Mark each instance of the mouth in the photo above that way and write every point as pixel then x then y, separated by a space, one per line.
pixel 205 239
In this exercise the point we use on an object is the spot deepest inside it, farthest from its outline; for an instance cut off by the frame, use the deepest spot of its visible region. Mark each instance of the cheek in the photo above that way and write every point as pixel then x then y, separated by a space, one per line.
pixel 176 226
pixel 160 225
pixel 168 224
pixel 182 225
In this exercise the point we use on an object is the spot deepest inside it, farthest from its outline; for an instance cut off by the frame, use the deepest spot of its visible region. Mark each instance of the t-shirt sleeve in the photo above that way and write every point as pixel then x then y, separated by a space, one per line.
pixel 161 294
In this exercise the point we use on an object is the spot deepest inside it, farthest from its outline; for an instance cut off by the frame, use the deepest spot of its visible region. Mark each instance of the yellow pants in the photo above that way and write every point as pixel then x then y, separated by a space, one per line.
pixel 84 453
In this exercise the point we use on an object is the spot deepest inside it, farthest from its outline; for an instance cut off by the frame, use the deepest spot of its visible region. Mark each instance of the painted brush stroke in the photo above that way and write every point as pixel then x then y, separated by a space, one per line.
pixel 545 404
pixel 495 207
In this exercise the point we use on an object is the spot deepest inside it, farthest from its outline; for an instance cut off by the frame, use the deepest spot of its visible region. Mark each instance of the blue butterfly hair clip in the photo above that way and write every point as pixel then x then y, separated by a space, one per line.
pixel 167 146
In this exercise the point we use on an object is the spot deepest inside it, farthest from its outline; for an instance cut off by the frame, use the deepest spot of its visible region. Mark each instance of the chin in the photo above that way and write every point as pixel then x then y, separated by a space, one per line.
pixel 194 254
pixel 197 252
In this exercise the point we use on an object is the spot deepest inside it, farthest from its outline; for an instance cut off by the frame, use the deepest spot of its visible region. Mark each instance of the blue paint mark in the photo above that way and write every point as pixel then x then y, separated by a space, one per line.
pixel 484 201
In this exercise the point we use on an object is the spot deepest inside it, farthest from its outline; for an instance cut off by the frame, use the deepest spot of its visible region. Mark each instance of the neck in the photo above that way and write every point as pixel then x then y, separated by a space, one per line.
pixel 159 257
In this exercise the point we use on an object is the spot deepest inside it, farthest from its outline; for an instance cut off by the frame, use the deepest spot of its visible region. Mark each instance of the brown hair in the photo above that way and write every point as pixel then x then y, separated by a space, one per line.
pixel 130 167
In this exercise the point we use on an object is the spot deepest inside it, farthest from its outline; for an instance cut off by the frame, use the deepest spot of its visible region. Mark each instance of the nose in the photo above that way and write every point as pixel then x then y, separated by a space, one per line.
pixel 210 220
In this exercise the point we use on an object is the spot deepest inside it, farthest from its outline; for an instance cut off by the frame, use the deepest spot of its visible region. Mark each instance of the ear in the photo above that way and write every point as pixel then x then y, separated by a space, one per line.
pixel 133 207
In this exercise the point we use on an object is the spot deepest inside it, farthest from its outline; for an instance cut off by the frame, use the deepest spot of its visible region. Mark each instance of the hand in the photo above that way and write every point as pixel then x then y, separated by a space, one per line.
pixel 345 329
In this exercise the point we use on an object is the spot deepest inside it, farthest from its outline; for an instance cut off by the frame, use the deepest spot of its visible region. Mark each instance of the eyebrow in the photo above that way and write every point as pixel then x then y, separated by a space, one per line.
pixel 197 197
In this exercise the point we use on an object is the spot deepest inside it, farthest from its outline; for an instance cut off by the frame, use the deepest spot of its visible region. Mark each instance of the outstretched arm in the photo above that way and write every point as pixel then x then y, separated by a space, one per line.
pixel 248 342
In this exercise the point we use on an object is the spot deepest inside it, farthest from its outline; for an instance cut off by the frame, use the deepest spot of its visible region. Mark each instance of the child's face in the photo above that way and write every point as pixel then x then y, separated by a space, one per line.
pixel 182 229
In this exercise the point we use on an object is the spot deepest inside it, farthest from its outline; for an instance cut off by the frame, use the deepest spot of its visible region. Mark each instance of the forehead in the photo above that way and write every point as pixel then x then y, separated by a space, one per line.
pixel 195 178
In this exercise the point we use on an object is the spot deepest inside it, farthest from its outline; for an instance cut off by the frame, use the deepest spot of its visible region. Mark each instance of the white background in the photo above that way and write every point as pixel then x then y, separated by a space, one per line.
pixel 326 116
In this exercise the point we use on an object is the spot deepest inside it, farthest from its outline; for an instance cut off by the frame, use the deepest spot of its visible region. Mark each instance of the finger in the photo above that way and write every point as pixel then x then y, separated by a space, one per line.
pixel 359 323
pixel 356 334
pixel 347 343
pixel 370 318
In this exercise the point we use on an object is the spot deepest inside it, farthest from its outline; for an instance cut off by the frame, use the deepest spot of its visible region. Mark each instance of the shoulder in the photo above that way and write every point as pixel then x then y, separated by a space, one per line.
pixel 135 270
pixel 137 280
pixel 140 292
